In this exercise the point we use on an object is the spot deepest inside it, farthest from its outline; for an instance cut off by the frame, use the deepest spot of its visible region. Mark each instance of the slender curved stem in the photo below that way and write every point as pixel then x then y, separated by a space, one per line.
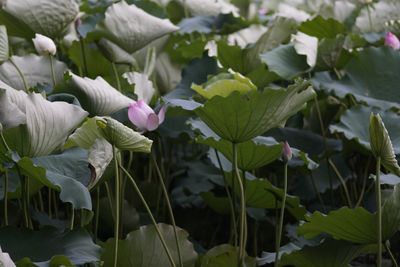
pixel 85 67
pixel 342 181
pixel 231 203
pixel 6 197
pixel 53 75
pixel 97 216
pixel 387 247
pixel 164 244
pixel 369 18
pixel 114 67
pixel 281 217
pixel 379 211
pixel 242 235
pixel 72 219
pixel 169 207
pixel 117 206
pixel 20 74
pixel 364 185
pixel 23 181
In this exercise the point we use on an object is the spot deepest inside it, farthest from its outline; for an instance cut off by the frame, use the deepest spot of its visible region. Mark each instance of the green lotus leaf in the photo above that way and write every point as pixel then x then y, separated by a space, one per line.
pixel 224 84
pixel 307 46
pixel 353 125
pixel 48 125
pixel 323 28
pixel 114 53
pixel 381 145
pixel 142 248
pixel 32 69
pixel 208 7
pixel 132 28
pixel 97 96
pixel 123 137
pixel 224 256
pixel 371 77
pixel 10 114
pixel 239 118
pixel 48 17
pixel 41 247
pixel 331 253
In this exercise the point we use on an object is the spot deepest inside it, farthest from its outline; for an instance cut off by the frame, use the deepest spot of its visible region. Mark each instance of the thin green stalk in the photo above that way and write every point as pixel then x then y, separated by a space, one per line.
pixel 117 206
pixel 282 214
pixel 231 203
pixel 41 205
pixel 54 198
pixel 85 67
pixel 242 236
pixel 139 193
pixel 315 187
pixel 342 181
pixel 387 247
pixel 114 67
pixel 371 28
pixel 169 207
pixel 364 185
pixel 20 74
pixel 53 76
pixel 110 199
pixel 72 219
pixel 6 197
pixel 49 201
pixel 379 211
pixel 97 216
pixel 24 201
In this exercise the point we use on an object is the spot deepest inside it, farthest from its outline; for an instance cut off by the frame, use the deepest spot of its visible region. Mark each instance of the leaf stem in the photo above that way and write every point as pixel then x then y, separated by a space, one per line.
pixel 6 197
pixel 282 214
pixel 72 219
pixel 342 181
pixel 117 206
pixel 114 67
pixel 85 67
pixel 169 207
pixel 53 76
pixel 379 211
pixel 97 216
pixel 387 247
pixel 242 235
pixel 164 244
pixel 20 74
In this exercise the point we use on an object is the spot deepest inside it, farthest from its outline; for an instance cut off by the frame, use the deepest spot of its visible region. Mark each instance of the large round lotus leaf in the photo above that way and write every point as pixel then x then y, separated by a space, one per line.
pixel 143 248
pixel 372 76
pixel 354 126
pixel 224 256
pixel 239 118
pixel 132 28
pixel 48 17
pixel 41 246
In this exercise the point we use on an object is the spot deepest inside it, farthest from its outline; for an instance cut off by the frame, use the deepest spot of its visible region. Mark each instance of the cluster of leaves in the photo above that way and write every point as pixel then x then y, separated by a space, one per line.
pixel 239 78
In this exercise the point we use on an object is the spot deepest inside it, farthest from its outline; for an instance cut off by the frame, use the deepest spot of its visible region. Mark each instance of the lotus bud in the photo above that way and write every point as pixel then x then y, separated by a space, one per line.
pixel 44 45
pixel 144 117
pixel 5 260
pixel 392 41
pixel 287 152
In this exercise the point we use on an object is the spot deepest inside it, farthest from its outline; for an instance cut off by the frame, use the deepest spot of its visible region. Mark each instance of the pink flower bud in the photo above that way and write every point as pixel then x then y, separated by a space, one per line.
pixel 44 45
pixel 144 117
pixel 392 41
pixel 287 152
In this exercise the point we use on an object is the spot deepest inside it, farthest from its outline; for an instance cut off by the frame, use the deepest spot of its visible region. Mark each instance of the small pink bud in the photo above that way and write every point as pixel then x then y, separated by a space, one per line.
pixel 392 41
pixel 262 11
pixel 287 152
pixel 144 117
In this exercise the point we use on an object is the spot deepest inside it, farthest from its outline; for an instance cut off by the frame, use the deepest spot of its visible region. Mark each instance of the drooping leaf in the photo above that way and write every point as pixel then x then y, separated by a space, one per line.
pixel 306 45
pixel 142 248
pixel 354 126
pixel 209 7
pixel 371 77
pixel 132 28
pixel 97 96
pixel 331 253
pixel 67 173
pixel 353 225
pixel 322 28
pixel 36 70
pixel 381 145
pixel 224 84
pixel 123 137
pixel 47 127
pixel 224 256
pixel 4 48
pixel 144 88
pixel 100 156
pixel 285 62
pixel 41 246
pixel 48 17
pixel 10 115
pixel 85 136
pixel 114 53
pixel 259 111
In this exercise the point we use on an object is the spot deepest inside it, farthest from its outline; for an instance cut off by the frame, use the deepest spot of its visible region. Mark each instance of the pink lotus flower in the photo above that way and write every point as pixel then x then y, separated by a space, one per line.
pixel 144 117
pixel 287 152
pixel 392 41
